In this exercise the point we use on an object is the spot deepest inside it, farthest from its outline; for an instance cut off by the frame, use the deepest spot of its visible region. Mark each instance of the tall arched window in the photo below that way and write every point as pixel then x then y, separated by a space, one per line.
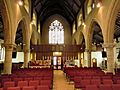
pixel 56 33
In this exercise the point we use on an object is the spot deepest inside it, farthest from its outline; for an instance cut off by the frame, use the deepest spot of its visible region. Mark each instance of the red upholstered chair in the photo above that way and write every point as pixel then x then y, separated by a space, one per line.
pixel 106 77
pixel 1 88
pixel 87 77
pixel 46 82
pixel 77 81
pixel 28 88
pixel 22 83
pixel 28 78
pixel 0 85
pixel 16 79
pixel 95 82
pixel 115 78
pixel 107 81
pixel 96 77
pixel 9 84
pixel 71 75
pixel 47 78
pixel 34 83
pixel 38 78
pixel 5 80
pixel 13 88
pixel 84 82
pixel 91 87
pixel 105 87
pixel 118 81
pixel 115 86
pixel 43 87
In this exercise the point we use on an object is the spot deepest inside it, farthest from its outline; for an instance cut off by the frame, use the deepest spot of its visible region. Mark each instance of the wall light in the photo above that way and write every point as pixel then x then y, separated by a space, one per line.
pixel 98 4
pixel 20 2
pixel 93 5
pixel 83 24
pixel 32 22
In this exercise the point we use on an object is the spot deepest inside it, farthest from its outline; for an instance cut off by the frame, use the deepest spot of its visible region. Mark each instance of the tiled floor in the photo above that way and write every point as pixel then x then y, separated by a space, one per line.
pixel 60 82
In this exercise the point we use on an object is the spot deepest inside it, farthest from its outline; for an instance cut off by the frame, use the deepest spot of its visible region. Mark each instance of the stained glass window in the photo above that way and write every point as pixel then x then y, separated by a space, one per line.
pixel 56 33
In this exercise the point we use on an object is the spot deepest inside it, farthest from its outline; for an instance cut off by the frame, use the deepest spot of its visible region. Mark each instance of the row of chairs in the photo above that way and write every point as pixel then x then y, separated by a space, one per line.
pixel 103 87
pixel 83 83
pixel 16 79
pixel 103 81
pixel 72 77
pixel 32 77
pixel 26 83
pixel 83 77
pixel 81 72
pixel 88 73
pixel 23 73
pixel 40 87
pixel 32 72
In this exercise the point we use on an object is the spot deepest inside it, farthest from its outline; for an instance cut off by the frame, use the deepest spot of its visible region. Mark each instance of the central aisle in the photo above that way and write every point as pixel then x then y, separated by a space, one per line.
pixel 60 82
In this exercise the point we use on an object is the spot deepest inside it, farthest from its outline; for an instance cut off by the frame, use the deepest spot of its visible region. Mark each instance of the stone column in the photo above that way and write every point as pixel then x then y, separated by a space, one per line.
pixel 79 58
pixel 26 58
pixel 34 55
pixel 88 57
pixel 8 58
pixel 110 56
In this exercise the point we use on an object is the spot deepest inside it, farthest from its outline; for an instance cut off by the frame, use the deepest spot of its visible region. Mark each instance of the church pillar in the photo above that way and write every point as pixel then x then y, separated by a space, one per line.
pixel 34 56
pixel 26 58
pixel 8 58
pixel 88 57
pixel 79 58
pixel 110 56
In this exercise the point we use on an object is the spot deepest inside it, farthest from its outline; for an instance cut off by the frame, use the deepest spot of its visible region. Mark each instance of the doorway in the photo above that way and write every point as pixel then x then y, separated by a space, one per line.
pixel 57 63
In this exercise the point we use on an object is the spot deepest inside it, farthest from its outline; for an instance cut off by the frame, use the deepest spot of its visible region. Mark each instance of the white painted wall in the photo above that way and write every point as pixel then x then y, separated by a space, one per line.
pixel 19 57
pixel 98 56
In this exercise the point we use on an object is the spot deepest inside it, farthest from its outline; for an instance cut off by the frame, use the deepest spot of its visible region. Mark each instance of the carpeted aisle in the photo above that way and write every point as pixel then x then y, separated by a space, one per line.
pixel 60 82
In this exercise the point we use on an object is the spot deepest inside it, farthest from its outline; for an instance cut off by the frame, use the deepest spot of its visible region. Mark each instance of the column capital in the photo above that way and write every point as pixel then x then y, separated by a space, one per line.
pixel 87 50
pixel 26 50
pixel 9 46
pixel 109 45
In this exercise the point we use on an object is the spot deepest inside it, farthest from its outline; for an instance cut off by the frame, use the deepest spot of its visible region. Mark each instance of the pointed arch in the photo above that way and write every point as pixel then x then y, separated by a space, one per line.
pixel 6 22
pixel 111 25
pixel 24 26
pixel 27 5
pixel 92 29
pixel 34 35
